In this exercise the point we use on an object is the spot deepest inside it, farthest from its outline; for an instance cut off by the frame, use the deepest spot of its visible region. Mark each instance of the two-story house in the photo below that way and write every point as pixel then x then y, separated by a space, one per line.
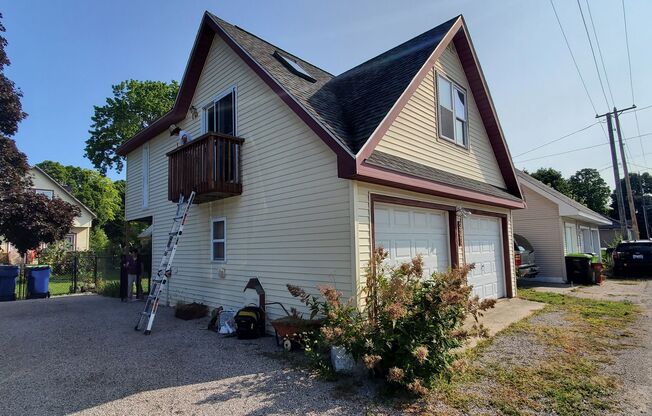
pixel 301 174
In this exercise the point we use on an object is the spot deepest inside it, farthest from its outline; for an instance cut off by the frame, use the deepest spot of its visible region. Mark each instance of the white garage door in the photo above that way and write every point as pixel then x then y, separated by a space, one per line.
pixel 483 245
pixel 406 232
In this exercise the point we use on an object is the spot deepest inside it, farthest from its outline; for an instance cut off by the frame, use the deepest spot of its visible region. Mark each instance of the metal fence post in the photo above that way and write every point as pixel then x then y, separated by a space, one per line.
pixel 74 272
pixel 95 270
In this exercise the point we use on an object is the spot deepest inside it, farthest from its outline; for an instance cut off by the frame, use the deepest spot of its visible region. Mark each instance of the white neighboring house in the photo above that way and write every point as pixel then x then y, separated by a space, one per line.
pixel 301 174
pixel 79 236
pixel 555 225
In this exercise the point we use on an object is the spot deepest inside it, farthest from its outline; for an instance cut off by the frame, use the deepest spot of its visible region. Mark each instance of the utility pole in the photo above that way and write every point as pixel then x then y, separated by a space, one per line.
pixel 628 184
pixel 640 188
pixel 614 164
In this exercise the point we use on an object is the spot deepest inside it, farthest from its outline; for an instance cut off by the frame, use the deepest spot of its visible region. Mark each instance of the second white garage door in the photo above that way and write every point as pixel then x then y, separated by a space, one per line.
pixel 483 245
pixel 406 232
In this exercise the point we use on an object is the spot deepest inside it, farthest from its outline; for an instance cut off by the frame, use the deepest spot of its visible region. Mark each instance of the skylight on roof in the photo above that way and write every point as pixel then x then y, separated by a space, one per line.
pixel 293 66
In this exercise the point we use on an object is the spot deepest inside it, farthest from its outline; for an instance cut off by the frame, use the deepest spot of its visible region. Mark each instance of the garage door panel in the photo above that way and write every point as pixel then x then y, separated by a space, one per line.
pixel 407 232
pixel 483 247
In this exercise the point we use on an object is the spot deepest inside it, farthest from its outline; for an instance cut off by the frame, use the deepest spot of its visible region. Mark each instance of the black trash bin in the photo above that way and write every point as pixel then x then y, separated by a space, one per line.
pixel 8 275
pixel 578 268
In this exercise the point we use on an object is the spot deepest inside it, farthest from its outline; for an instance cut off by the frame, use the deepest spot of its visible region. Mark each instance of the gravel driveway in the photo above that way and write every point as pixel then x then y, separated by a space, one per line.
pixel 80 354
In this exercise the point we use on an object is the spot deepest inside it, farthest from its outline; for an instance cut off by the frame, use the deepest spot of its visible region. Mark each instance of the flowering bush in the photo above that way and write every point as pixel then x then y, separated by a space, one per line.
pixel 409 326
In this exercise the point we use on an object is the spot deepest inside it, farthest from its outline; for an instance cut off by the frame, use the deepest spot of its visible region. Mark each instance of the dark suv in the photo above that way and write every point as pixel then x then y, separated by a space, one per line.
pixel 524 257
pixel 633 258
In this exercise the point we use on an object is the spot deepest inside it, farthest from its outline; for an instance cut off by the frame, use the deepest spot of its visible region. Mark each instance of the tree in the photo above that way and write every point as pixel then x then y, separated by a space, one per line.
pixel 133 107
pixel 12 110
pixel 553 178
pixel 94 190
pixel 642 192
pixel 587 187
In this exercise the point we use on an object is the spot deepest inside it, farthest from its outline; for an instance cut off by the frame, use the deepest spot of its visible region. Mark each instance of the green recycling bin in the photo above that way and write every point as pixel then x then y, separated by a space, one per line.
pixel 578 268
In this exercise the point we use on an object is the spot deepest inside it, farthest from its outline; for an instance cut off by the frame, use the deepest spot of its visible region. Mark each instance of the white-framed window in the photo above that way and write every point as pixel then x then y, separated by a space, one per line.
pixel 218 239
pixel 145 175
pixel 69 241
pixel 219 115
pixel 49 193
pixel 569 239
pixel 453 112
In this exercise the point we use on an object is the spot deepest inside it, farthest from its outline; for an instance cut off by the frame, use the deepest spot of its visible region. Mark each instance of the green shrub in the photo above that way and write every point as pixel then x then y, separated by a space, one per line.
pixel 409 327
pixel 110 288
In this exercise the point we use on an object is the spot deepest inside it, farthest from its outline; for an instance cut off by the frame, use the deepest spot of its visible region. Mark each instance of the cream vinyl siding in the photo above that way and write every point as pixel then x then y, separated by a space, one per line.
pixel 414 133
pixel 134 186
pixel 292 223
pixel 541 225
pixel 362 207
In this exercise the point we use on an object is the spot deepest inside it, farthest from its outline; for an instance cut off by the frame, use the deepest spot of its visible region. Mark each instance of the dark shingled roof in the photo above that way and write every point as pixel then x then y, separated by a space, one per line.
pixel 352 104
pixel 398 164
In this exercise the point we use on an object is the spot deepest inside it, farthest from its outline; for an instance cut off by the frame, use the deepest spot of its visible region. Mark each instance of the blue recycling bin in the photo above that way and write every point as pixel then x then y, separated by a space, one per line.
pixel 8 275
pixel 38 281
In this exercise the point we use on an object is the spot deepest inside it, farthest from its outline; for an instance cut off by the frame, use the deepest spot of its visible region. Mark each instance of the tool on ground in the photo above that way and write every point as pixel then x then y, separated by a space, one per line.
pixel 165 268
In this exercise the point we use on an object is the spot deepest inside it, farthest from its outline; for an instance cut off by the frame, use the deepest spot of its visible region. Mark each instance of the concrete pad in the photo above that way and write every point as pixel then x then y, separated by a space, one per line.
pixel 503 314
pixel 611 289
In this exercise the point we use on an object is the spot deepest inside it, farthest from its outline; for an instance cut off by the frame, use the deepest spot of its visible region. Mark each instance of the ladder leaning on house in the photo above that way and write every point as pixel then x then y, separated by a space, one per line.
pixel 165 268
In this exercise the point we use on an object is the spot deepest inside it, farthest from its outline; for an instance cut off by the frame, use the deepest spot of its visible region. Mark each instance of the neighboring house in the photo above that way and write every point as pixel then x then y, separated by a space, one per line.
pixel 610 233
pixel 300 174
pixel 555 225
pixel 79 236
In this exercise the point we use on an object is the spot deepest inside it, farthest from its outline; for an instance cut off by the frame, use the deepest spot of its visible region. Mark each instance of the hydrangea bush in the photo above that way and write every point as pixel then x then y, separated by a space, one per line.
pixel 409 326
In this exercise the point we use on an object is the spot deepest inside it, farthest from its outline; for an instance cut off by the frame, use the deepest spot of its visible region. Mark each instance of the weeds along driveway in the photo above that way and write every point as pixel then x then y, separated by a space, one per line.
pixel 81 354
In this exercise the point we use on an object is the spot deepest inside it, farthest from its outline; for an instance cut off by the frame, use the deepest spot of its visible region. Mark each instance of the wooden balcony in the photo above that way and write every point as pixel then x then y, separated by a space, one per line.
pixel 210 165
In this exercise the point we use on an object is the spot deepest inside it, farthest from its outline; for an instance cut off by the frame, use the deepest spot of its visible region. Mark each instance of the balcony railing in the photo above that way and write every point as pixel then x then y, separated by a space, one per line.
pixel 210 165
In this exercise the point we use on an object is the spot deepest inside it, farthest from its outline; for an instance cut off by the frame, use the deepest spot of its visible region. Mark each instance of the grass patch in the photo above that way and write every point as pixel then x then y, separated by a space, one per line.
pixel 558 367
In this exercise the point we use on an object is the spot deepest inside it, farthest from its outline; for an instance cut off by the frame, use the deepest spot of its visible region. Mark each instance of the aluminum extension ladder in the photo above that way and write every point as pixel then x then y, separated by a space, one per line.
pixel 165 268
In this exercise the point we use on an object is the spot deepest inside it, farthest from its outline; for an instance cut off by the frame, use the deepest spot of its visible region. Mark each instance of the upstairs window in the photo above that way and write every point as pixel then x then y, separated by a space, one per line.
pixel 452 102
pixel 219 115
pixel 47 192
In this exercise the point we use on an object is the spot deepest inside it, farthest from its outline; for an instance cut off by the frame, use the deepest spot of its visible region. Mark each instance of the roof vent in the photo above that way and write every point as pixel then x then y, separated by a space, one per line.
pixel 293 66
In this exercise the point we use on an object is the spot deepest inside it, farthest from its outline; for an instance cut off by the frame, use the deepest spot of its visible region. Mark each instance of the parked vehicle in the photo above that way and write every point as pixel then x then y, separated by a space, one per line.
pixel 633 258
pixel 524 258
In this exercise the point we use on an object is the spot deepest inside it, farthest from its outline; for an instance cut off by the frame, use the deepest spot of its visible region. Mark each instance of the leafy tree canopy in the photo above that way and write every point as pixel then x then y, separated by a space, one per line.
pixel 134 106
pixel 12 110
pixel 94 190
pixel 588 188
pixel 554 179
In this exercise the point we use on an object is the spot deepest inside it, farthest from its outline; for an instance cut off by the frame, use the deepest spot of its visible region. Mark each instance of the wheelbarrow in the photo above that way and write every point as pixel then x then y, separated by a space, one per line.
pixel 288 330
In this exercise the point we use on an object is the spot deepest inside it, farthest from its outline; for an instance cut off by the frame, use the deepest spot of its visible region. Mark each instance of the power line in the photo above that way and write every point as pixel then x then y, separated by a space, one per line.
pixel 631 78
pixel 597 42
pixel 581 148
pixel 595 61
pixel 573 57
pixel 558 139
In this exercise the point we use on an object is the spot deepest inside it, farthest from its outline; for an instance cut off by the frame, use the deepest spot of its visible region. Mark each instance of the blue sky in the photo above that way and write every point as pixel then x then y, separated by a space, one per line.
pixel 67 54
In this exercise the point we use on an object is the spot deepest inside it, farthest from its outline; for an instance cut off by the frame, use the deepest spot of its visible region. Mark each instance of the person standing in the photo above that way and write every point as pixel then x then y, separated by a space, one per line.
pixel 123 274
pixel 133 267
pixel 184 136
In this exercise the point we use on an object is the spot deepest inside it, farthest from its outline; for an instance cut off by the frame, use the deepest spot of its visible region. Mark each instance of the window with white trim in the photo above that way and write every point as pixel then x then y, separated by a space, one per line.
pixel 452 105
pixel 219 115
pixel 69 241
pixel 218 239
pixel 49 193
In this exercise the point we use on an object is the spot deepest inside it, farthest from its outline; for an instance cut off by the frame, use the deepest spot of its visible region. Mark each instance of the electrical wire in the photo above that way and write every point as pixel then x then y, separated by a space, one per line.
pixel 595 61
pixel 597 42
pixel 631 78
pixel 558 139
pixel 577 68
pixel 581 148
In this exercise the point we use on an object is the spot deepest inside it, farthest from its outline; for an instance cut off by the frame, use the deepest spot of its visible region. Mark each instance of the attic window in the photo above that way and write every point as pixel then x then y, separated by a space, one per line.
pixel 293 66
